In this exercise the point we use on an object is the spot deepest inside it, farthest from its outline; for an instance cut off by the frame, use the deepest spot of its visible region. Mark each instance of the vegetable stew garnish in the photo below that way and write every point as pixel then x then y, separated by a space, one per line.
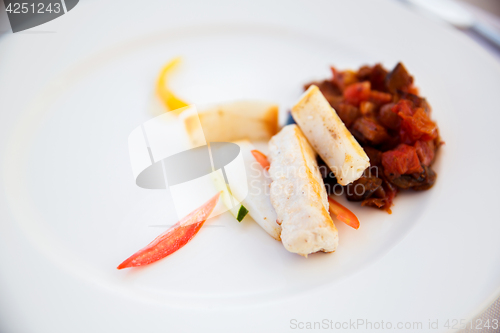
pixel 384 112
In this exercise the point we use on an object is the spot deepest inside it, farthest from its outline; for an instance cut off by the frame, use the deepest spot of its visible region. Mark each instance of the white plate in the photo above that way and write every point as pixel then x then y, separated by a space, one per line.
pixel 71 212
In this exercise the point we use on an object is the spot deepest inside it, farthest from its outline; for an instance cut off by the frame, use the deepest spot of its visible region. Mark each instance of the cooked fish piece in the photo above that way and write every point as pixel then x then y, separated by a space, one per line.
pixel 329 137
pixel 298 194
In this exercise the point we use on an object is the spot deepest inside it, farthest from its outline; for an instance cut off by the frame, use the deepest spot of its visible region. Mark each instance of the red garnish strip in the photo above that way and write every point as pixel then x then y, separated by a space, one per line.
pixel 261 158
pixel 343 214
pixel 174 238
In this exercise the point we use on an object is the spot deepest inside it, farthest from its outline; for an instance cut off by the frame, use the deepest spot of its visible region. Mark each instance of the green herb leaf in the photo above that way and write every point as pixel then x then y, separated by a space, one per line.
pixel 242 213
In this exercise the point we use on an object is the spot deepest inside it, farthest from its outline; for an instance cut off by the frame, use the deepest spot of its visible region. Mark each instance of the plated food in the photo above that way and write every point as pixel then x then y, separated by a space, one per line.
pixel 299 195
pixel 384 112
pixel 366 132
pixel 239 120
pixel 329 136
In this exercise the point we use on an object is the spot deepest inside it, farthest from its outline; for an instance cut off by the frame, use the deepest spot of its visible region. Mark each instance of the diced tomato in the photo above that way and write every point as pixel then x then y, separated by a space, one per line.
pixel 261 158
pixel 413 90
pixel 343 214
pixel 416 124
pixel 357 92
pixel 174 238
pixel 380 97
pixel 400 161
pixel 417 127
pixel 404 107
pixel 425 151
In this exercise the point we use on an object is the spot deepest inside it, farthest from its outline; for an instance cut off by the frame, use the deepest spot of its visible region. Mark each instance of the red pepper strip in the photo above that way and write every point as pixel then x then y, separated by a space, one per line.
pixel 343 214
pixel 174 238
pixel 262 159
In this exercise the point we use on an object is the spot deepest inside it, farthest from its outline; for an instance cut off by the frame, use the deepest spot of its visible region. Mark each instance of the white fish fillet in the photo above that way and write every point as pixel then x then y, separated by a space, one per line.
pixel 299 196
pixel 329 137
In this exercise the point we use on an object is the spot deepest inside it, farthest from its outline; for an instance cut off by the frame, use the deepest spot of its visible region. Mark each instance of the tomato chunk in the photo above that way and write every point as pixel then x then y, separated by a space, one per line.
pixel 425 151
pixel 357 92
pixel 415 123
pixel 417 127
pixel 380 97
pixel 400 161
pixel 403 107
pixel 413 90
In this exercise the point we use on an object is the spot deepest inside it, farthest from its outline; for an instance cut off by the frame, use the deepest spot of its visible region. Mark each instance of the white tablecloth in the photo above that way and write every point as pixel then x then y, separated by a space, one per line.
pixel 486 17
pixel 493 312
